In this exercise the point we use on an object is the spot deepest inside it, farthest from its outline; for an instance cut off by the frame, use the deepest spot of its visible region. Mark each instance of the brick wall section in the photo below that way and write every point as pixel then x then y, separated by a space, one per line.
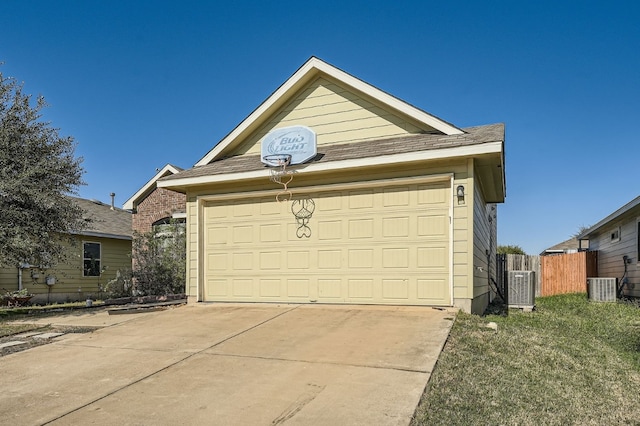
pixel 159 204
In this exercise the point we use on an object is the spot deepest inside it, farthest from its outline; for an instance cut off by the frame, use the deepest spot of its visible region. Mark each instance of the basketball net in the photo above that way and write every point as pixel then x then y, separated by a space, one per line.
pixel 280 175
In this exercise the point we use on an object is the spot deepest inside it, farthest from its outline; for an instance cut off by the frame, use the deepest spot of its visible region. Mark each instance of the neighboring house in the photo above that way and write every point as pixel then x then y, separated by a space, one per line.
pixel 95 255
pixel 572 245
pixel 617 240
pixel 152 206
pixel 396 206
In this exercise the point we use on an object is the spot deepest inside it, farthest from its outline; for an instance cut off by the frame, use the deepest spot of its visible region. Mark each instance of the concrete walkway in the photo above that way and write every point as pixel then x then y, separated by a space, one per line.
pixel 229 364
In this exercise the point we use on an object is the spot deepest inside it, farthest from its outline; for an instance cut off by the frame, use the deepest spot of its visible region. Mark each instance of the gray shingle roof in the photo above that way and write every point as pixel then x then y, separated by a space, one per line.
pixel 570 244
pixel 366 149
pixel 105 222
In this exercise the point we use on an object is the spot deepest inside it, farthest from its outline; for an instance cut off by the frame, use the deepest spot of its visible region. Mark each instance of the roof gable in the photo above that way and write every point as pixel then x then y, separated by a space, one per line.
pixel 337 115
pixel 321 96
pixel 569 246
pixel 148 187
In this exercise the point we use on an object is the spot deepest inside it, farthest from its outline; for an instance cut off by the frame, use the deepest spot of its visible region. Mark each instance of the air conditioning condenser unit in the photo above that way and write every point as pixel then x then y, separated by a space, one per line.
pixel 602 289
pixel 522 289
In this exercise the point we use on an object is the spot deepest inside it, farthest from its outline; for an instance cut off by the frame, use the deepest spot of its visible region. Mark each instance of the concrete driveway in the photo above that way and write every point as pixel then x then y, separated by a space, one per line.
pixel 227 364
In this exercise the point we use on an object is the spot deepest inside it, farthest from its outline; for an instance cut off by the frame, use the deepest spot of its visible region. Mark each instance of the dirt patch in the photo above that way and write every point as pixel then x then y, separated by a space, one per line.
pixel 31 341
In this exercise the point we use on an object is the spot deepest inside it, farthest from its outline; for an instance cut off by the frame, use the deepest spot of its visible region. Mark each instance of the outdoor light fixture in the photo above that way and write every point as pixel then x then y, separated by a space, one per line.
pixel 460 191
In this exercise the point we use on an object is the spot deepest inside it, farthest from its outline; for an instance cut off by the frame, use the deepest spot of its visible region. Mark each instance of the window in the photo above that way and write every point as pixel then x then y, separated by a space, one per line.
pixel 615 235
pixel 91 259
pixel 168 232
pixel 168 226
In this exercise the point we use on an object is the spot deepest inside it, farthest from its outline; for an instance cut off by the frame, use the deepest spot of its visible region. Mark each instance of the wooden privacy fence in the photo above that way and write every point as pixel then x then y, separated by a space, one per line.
pixel 554 274
pixel 567 273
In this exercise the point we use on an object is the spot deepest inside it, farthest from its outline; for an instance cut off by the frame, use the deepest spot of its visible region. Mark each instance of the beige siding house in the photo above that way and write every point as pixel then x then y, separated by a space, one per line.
pixel 616 238
pixel 95 255
pixel 394 206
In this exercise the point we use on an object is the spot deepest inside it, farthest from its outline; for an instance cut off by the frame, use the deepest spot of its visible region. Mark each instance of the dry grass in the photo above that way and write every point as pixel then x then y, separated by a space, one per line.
pixel 8 329
pixel 11 331
pixel 569 362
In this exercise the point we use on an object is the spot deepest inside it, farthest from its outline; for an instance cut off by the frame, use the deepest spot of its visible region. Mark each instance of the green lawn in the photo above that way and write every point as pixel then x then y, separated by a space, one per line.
pixel 570 362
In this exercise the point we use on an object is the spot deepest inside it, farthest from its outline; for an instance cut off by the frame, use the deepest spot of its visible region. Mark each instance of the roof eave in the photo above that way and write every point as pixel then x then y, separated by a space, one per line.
pixel 613 216
pixel 491 148
pixel 103 235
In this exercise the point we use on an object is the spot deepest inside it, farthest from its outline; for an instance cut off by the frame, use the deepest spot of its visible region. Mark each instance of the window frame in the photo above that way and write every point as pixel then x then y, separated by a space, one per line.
pixel 161 229
pixel 84 259
pixel 615 235
pixel 158 227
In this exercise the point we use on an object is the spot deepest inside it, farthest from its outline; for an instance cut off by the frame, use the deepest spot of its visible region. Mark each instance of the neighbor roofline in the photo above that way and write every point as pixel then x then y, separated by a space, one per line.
pixel 408 157
pixel 304 74
pixel 132 202
pixel 616 214
pixel 103 235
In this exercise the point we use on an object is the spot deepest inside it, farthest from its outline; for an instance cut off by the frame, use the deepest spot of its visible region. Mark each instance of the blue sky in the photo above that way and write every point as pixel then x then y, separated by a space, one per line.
pixel 140 84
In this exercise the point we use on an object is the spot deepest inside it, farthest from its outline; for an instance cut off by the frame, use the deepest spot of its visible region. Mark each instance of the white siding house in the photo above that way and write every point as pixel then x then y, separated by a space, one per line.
pixel 617 240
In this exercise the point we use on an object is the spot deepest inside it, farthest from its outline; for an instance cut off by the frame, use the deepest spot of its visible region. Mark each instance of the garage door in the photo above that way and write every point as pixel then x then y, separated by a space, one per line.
pixel 384 245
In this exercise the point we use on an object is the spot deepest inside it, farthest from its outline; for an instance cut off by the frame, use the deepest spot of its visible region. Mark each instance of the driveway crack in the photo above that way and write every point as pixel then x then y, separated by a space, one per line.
pixel 306 397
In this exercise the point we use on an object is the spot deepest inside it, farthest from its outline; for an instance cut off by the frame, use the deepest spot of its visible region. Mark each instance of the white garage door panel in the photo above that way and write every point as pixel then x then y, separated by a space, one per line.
pixel 381 245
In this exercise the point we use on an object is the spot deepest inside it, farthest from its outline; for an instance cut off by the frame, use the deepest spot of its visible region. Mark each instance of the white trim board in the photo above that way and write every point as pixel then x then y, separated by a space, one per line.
pixel 442 177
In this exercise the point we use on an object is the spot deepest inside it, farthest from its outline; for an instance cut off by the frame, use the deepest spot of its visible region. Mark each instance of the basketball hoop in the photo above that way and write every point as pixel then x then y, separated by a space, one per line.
pixel 279 173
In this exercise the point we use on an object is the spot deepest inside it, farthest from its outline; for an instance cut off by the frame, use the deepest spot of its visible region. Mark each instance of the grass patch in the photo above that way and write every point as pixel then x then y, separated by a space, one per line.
pixel 8 312
pixel 570 361
pixel 11 329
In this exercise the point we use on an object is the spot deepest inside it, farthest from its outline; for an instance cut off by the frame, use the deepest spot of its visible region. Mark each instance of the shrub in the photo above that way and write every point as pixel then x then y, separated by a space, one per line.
pixel 121 285
pixel 159 261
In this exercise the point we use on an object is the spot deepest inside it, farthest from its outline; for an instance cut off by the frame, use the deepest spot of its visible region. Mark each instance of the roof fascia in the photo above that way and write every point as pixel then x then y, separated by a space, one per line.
pixel 132 202
pixel 103 235
pixel 408 157
pixel 304 74
pixel 613 216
